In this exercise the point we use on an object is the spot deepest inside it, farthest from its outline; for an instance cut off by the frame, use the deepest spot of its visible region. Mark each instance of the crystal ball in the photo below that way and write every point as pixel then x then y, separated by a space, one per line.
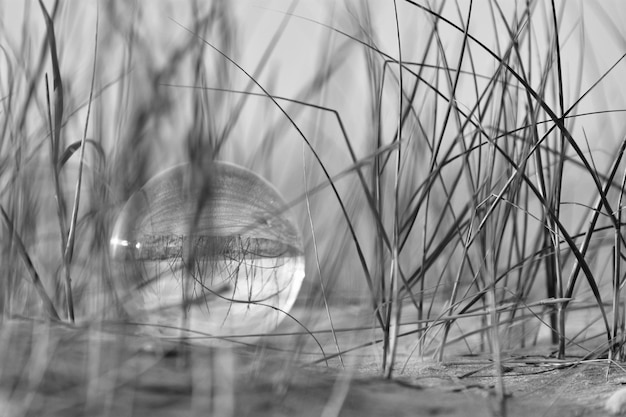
pixel 208 254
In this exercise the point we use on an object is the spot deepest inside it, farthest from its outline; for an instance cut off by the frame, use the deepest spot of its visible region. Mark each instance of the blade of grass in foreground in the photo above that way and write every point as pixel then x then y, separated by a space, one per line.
pixel 41 291
pixel 56 143
pixel 69 248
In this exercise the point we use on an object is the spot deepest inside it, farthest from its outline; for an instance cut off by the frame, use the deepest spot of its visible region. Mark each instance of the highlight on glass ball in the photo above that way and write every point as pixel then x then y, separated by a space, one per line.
pixel 219 257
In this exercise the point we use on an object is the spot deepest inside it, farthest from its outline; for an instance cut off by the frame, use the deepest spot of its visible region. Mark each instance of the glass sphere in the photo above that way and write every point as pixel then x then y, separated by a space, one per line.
pixel 219 256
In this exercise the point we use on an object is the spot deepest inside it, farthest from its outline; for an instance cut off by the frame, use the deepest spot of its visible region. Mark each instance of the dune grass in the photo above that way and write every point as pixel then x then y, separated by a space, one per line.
pixel 456 168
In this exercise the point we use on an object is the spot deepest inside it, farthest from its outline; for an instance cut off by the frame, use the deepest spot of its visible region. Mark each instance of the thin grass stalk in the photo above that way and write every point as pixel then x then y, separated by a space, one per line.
pixel 422 278
pixel 615 347
pixel 433 34
pixel 486 240
pixel 558 184
pixel 396 142
pixel 395 300
pixel 69 249
pixel 386 288
pixel 543 180
pixel 514 251
pixel 495 340
pixel 501 222
pixel 319 272
pixel 56 140
pixel 381 241
pixel 314 240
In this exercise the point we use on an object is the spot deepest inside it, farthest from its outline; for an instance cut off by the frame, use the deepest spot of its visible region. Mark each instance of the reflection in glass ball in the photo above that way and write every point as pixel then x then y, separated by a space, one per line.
pixel 221 256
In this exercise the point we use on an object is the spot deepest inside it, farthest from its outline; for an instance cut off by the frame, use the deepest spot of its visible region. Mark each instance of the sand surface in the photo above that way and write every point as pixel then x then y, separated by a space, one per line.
pixel 57 370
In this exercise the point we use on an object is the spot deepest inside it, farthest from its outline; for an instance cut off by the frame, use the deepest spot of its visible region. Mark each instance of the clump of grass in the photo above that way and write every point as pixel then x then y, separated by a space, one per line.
pixel 441 167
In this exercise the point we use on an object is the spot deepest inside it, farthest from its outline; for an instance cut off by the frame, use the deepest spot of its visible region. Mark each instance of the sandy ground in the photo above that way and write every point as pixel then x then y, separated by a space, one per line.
pixel 62 371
